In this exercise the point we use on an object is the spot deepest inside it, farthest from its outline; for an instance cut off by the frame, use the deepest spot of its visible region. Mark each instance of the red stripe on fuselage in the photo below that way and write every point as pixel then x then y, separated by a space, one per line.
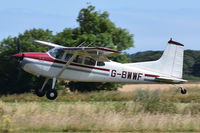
pixel 79 65
pixel 46 57
pixel 150 75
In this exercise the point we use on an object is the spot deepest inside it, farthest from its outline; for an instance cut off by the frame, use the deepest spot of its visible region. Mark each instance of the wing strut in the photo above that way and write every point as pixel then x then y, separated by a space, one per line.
pixel 66 65
pixel 52 93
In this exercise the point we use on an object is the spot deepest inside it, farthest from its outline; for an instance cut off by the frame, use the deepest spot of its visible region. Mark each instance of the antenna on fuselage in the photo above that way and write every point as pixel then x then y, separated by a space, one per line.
pixel 89 44
pixel 80 45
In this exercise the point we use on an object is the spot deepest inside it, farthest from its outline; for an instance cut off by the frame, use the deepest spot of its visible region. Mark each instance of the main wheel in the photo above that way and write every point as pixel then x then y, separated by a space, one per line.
pixel 40 93
pixel 183 91
pixel 51 94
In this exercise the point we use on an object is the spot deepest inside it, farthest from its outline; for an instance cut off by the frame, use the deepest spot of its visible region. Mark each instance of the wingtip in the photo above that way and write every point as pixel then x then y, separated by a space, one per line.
pixel 36 41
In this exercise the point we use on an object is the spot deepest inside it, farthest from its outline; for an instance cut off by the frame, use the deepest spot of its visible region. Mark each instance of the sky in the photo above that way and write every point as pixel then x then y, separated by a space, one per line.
pixel 152 22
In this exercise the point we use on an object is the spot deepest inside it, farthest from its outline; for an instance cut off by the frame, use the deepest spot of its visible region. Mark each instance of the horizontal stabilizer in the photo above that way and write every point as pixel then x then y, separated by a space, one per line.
pixel 170 80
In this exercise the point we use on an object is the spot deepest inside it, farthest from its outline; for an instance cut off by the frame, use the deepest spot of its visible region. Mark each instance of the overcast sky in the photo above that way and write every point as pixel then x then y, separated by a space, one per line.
pixel 153 22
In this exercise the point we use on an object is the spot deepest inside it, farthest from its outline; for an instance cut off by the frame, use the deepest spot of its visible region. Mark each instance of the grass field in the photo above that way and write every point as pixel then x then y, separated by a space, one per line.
pixel 119 111
pixel 133 87
pixel 96 116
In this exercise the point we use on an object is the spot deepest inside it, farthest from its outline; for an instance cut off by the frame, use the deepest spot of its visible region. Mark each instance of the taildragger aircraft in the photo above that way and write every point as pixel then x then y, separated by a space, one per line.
pixel 91 64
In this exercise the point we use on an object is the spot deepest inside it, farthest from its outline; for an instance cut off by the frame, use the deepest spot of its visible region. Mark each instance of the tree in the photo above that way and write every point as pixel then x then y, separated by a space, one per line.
pixel 14 80
pixel 145 56
pixel 97 25
pixel 95 29
pixel 190 58
pixel 196 68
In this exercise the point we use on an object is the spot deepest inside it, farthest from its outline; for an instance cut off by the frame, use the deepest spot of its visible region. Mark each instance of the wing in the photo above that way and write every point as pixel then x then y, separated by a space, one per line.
pixel 92 50
pixel 48 44
pixel 98 53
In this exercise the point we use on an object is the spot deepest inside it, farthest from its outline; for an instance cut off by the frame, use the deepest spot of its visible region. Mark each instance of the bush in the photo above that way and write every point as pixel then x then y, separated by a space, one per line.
pixel 193 109
pixel 147 96
pixel 152 103
pixel 5 121
pixel 92 86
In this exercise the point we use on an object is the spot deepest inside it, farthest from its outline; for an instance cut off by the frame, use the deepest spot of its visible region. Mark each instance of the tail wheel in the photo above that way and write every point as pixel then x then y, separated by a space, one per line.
pixel 51 94
pixel 183 91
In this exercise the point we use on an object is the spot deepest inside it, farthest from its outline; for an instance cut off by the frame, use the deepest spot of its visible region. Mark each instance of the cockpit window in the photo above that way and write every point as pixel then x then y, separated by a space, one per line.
pixel 89 61
pixel 57 53
pixel 78 59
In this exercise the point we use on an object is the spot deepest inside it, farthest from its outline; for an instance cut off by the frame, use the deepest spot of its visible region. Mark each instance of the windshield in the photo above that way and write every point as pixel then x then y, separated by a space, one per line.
pixel 56 53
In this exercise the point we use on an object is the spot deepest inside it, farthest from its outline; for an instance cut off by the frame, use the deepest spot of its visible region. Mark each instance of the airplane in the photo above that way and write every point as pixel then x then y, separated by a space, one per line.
pixel 91 64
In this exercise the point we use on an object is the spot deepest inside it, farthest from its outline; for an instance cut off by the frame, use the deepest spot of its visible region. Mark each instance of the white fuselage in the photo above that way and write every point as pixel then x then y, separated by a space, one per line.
pixel 110 72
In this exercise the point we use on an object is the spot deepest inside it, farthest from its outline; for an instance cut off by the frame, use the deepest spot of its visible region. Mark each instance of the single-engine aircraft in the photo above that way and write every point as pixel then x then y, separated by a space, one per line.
pixel 91 64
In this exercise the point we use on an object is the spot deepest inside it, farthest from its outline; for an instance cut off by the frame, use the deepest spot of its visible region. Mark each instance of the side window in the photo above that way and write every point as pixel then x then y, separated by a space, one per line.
pixel 78 59
pixel 59 54
pixel 100 63
pixel 68 57
pixel 89 61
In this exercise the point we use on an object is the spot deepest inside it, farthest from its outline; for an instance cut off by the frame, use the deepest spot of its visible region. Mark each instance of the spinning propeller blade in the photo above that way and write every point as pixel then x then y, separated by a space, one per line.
pixel 18 47
pixel 19 56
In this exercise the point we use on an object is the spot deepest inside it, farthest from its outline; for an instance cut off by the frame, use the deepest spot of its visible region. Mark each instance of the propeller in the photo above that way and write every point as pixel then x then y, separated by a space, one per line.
pixel 19 56
pixel 18 48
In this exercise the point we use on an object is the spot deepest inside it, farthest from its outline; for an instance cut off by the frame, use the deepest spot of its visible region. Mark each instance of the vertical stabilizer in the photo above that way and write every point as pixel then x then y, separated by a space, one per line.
pixel 170 63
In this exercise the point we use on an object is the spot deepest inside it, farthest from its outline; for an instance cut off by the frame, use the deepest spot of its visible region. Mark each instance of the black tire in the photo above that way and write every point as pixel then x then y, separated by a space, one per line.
pixel 51 94
pixel 183 91
pixel 40 93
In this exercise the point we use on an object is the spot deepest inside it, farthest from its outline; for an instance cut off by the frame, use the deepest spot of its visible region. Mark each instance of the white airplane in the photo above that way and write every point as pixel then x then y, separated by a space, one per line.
pixel 91 64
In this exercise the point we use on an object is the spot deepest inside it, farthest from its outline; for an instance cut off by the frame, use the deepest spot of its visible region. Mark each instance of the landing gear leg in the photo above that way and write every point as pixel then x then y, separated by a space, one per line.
pixel 41 92
pixel 52 93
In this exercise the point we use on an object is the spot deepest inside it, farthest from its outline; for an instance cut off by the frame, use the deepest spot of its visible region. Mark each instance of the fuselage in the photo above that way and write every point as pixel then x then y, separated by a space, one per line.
pixel 43 64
